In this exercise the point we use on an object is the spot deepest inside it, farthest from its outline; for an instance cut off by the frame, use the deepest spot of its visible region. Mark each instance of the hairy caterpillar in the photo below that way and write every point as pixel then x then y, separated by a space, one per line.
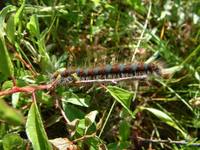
pixel 117 71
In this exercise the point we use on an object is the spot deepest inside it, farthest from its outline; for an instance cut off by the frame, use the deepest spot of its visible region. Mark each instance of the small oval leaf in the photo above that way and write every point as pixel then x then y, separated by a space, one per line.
pixel 165 118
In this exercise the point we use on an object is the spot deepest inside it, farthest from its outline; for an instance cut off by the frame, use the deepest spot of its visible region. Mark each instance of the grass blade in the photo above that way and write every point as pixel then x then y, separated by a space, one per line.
pixel 6 66
pixel 165 118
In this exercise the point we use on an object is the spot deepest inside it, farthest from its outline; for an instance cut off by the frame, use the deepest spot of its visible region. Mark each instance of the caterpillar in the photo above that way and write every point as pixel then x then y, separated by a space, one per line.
pixel 135 70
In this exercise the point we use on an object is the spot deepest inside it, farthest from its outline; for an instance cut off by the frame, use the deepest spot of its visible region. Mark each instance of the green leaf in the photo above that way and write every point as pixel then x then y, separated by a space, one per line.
pixel 124 97
pixel 19 12
pixel 44 98
pixel 13 142
pixel 87 125
pixel 72 98
pixel 10 29
pixel 80 129
pixel 33 26
pixel 72 112
pixel 90 118
pixel 6 66
pixel 3 130
pixel 10 115
pixel 124 130
pixel 35 129
pixel 7 85
pixel 96 2
pixel 5 11
pixel 165 118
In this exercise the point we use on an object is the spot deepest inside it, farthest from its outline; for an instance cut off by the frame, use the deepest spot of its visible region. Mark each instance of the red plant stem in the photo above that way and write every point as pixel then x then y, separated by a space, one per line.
pixel 26 89
pixel 33 97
